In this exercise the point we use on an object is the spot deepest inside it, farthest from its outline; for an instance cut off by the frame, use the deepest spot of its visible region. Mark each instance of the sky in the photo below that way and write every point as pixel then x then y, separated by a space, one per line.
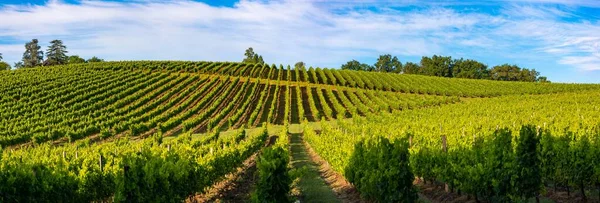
pixel 559 38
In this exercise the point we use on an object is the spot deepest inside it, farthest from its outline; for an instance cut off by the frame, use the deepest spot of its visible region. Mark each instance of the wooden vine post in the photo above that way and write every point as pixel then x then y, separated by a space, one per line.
pixel 445 150
pixel 101 162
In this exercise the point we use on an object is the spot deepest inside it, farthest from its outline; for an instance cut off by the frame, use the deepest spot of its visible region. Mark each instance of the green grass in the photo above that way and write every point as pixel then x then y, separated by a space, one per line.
pixel 312 187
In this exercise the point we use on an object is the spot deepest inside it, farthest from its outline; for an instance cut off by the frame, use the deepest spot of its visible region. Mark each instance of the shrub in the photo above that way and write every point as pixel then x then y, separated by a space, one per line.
pixel 380 170
pixel 274 179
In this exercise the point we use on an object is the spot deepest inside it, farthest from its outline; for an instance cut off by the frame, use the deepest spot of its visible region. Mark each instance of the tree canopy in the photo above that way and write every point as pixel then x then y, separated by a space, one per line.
pixel 94 60
pixel 19 65
pixel 470 69
pixel 299 65
pixel 387 63
pixel 4 66
pixel 33 56
pixel 507 72
pixel 75 59
pixel 252 57
pixel 437 65
pixel 445 66
pixel 56 54
pixel 355 65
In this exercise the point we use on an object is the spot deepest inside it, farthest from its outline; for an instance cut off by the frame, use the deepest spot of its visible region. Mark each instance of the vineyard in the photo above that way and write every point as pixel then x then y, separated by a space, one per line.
pixel 165 130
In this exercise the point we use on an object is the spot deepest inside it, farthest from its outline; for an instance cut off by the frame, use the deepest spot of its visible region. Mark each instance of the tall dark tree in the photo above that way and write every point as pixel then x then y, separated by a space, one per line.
pixel 387 63
pixel 0 56
pixel 437 66
pixel 470 69
pixel 33 56
pixel 75 59
pixel 252 57
pixel 94 59
pixel 56 54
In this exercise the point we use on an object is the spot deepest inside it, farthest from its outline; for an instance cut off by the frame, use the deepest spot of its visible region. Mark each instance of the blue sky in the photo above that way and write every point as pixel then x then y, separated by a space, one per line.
pixel 559 38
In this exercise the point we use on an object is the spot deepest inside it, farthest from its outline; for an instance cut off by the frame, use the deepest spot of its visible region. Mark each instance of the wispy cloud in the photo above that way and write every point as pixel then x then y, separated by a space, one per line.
pixel 320 33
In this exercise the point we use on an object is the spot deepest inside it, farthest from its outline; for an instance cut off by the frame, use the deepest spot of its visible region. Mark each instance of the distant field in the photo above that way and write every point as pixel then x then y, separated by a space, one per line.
pixel 99 107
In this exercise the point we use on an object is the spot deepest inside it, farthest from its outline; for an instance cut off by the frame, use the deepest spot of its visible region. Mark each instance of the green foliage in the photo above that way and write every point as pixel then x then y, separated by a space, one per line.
pixel 411 68
pixel 94 60
pixel 33 56
pixel 56 53
pixel 387 63
pixel 437 66
pixel 4 66
pixel 355 65
pixel 470 69
pixel 299 65
pixel 380 170
pixel 19 65
pixel 501 165
pixel 507 72
pixel 528 171
pixel 543 79
pixel 75 59
pixel 252 57
pixel 444 66
pixel 274 181
pixel 120 171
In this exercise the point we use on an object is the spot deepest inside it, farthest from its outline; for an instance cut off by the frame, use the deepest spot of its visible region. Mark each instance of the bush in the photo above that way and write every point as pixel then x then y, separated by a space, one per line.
pixel 274 179
pixel 380 170
pixel 528 172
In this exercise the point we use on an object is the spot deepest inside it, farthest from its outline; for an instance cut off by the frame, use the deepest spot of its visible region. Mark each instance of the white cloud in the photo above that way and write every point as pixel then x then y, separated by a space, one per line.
pixel 320 33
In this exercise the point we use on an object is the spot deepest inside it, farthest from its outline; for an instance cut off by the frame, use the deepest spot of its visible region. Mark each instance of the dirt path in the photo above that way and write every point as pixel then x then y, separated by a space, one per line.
pixel 319 183
pixel 236 187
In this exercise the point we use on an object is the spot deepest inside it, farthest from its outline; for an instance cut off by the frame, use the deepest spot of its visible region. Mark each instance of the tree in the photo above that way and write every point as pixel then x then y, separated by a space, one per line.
pixel 4 66
pixel 528 75
pixel 411 68
pixel 249 53
pixel 56 54
pixel 19 65
pixel 252 57
pixel 32 56
pixel 437 66
pixel 300 65
pixel 355 65
pixel 75 59
pixel 470 69
pixel 505 72
pixel 387 63
pixel 543 79
pixel 94 59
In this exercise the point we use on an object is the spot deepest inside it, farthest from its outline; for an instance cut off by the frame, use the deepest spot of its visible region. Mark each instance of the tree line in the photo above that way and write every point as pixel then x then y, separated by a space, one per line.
pixel 445 66
pixel 56 54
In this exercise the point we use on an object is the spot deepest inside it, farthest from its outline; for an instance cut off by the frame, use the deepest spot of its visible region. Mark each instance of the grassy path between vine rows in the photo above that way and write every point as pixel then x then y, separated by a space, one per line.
pixel 312 187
